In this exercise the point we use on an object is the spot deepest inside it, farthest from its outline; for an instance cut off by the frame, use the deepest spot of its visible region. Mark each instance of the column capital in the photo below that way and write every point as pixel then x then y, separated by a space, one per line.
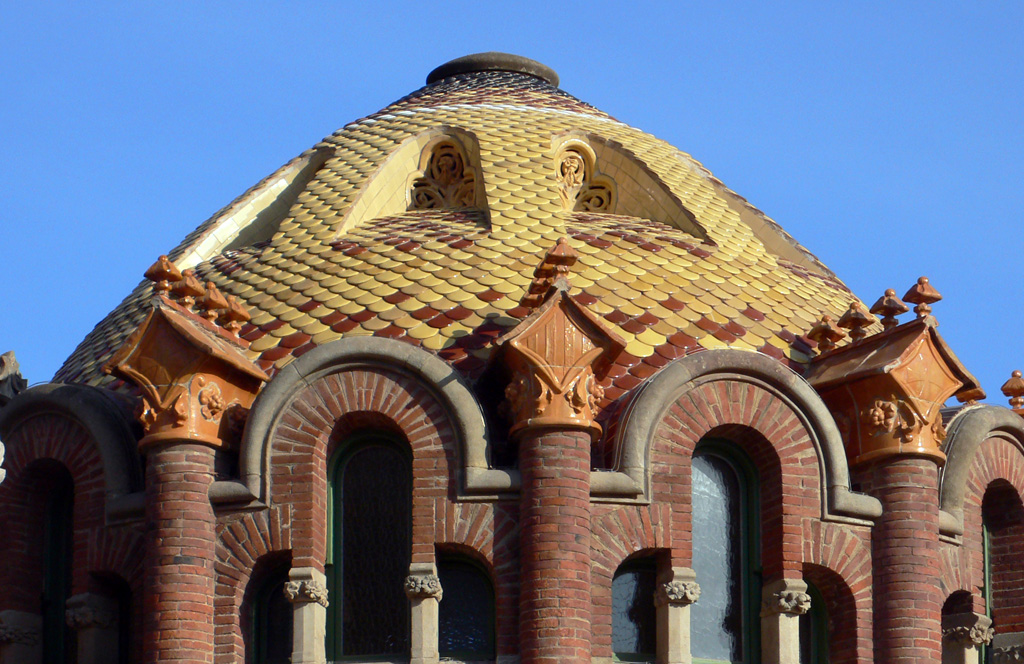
pixel 305 585
pixel 678 588
pixel 89 610
pixel 785 596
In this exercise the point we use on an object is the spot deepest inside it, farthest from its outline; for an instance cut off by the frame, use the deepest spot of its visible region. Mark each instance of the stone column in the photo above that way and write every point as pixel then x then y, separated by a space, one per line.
pixel 677 590
pixel 905 548
pixel 962 635
pixel 95 621
pixel 425 593
pixel 181 552
pixel 306 589
pixel 20 637
pixel 783 602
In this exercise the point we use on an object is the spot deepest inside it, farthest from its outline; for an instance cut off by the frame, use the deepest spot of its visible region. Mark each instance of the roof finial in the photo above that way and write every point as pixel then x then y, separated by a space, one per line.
pixel 163 273
pixel 889 306
pixel 856 318
pixel 923 295
pixel 1014 388
pixel 188 289
pixel 826 334
pixel 212 301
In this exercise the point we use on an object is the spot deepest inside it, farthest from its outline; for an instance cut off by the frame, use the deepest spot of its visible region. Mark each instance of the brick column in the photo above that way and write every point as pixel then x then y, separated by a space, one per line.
pixel 555 598
pixel 180 551
pixel 905 547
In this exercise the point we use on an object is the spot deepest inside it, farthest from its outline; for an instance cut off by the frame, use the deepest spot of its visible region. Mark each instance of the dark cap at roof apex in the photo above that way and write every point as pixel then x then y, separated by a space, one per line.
pixel 493 61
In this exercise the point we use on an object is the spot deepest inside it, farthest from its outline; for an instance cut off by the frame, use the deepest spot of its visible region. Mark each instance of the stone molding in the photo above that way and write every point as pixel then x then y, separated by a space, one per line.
pixel 421 586
pixel 677 593
pixel 966 432
pixel 306 591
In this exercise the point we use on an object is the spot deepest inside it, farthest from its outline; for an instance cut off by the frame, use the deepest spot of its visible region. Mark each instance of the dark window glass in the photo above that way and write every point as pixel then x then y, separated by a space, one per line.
pixel 717 620
pixel 466 612
pixel 272 622
pixel 57 642
pixel 814 630
pixel 369 612
pixel 634 625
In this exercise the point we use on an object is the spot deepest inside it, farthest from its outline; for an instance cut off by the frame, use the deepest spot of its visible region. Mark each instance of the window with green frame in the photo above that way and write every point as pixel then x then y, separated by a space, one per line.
pixel 724 624
pixel 465 626
pixel 369 546
pixel 634 618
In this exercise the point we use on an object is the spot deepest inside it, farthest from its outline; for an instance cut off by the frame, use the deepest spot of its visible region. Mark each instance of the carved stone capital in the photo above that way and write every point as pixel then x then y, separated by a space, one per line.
pixel 886 391
pixel 88 610
pixel 677 593
pixel 25 636
pixel 557 355
pixel 306 591
pixel 421 586
pixel 1007 654
pixel 968 629
pixel 190 373
pixel 786 601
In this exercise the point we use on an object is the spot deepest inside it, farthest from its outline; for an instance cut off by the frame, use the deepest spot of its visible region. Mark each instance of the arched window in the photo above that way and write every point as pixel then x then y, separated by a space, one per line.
pixel 369 548
pixel 466 612
pixel 814 629
pixel 726 534
pixel 271 620
pixel 634 623
pixel 1002 516
pixel 59 491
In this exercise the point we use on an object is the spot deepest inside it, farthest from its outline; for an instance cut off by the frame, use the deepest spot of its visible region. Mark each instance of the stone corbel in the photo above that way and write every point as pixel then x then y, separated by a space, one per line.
pixel 783 602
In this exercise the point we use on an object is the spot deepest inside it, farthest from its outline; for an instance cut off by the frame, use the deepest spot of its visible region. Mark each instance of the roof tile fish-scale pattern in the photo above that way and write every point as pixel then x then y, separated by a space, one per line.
pixel 450 281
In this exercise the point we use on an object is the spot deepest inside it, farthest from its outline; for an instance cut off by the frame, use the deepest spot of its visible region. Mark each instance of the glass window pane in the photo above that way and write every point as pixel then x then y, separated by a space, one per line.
pixel 466 612
pixel 716 620
pixel 633 613
pixel 376 501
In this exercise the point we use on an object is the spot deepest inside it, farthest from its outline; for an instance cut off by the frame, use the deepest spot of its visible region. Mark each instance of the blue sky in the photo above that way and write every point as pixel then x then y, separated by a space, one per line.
pixel 886 137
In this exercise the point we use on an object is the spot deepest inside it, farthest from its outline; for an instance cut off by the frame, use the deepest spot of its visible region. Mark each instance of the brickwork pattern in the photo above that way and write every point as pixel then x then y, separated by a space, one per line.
pixel 555 600
pixel 905 548
pixel 243 542
pixel 180 554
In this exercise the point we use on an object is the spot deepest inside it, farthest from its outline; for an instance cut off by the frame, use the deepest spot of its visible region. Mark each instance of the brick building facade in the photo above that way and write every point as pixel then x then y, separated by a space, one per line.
pixel 491 376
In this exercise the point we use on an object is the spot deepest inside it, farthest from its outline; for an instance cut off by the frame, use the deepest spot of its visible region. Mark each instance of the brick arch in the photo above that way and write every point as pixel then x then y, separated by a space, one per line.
pixel 770 435
pixel 617 534
pixel 242 543
pixel 36 442
pixel 837 559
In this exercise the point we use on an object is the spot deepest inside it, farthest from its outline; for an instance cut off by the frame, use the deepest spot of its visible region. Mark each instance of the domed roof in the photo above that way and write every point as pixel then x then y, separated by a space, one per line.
pixel 425 221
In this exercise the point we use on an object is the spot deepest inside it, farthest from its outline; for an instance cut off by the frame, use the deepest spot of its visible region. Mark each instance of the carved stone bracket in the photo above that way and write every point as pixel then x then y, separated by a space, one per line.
pixel 786 601
pixel 677 593
pixel 305 592
pixel 420 586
